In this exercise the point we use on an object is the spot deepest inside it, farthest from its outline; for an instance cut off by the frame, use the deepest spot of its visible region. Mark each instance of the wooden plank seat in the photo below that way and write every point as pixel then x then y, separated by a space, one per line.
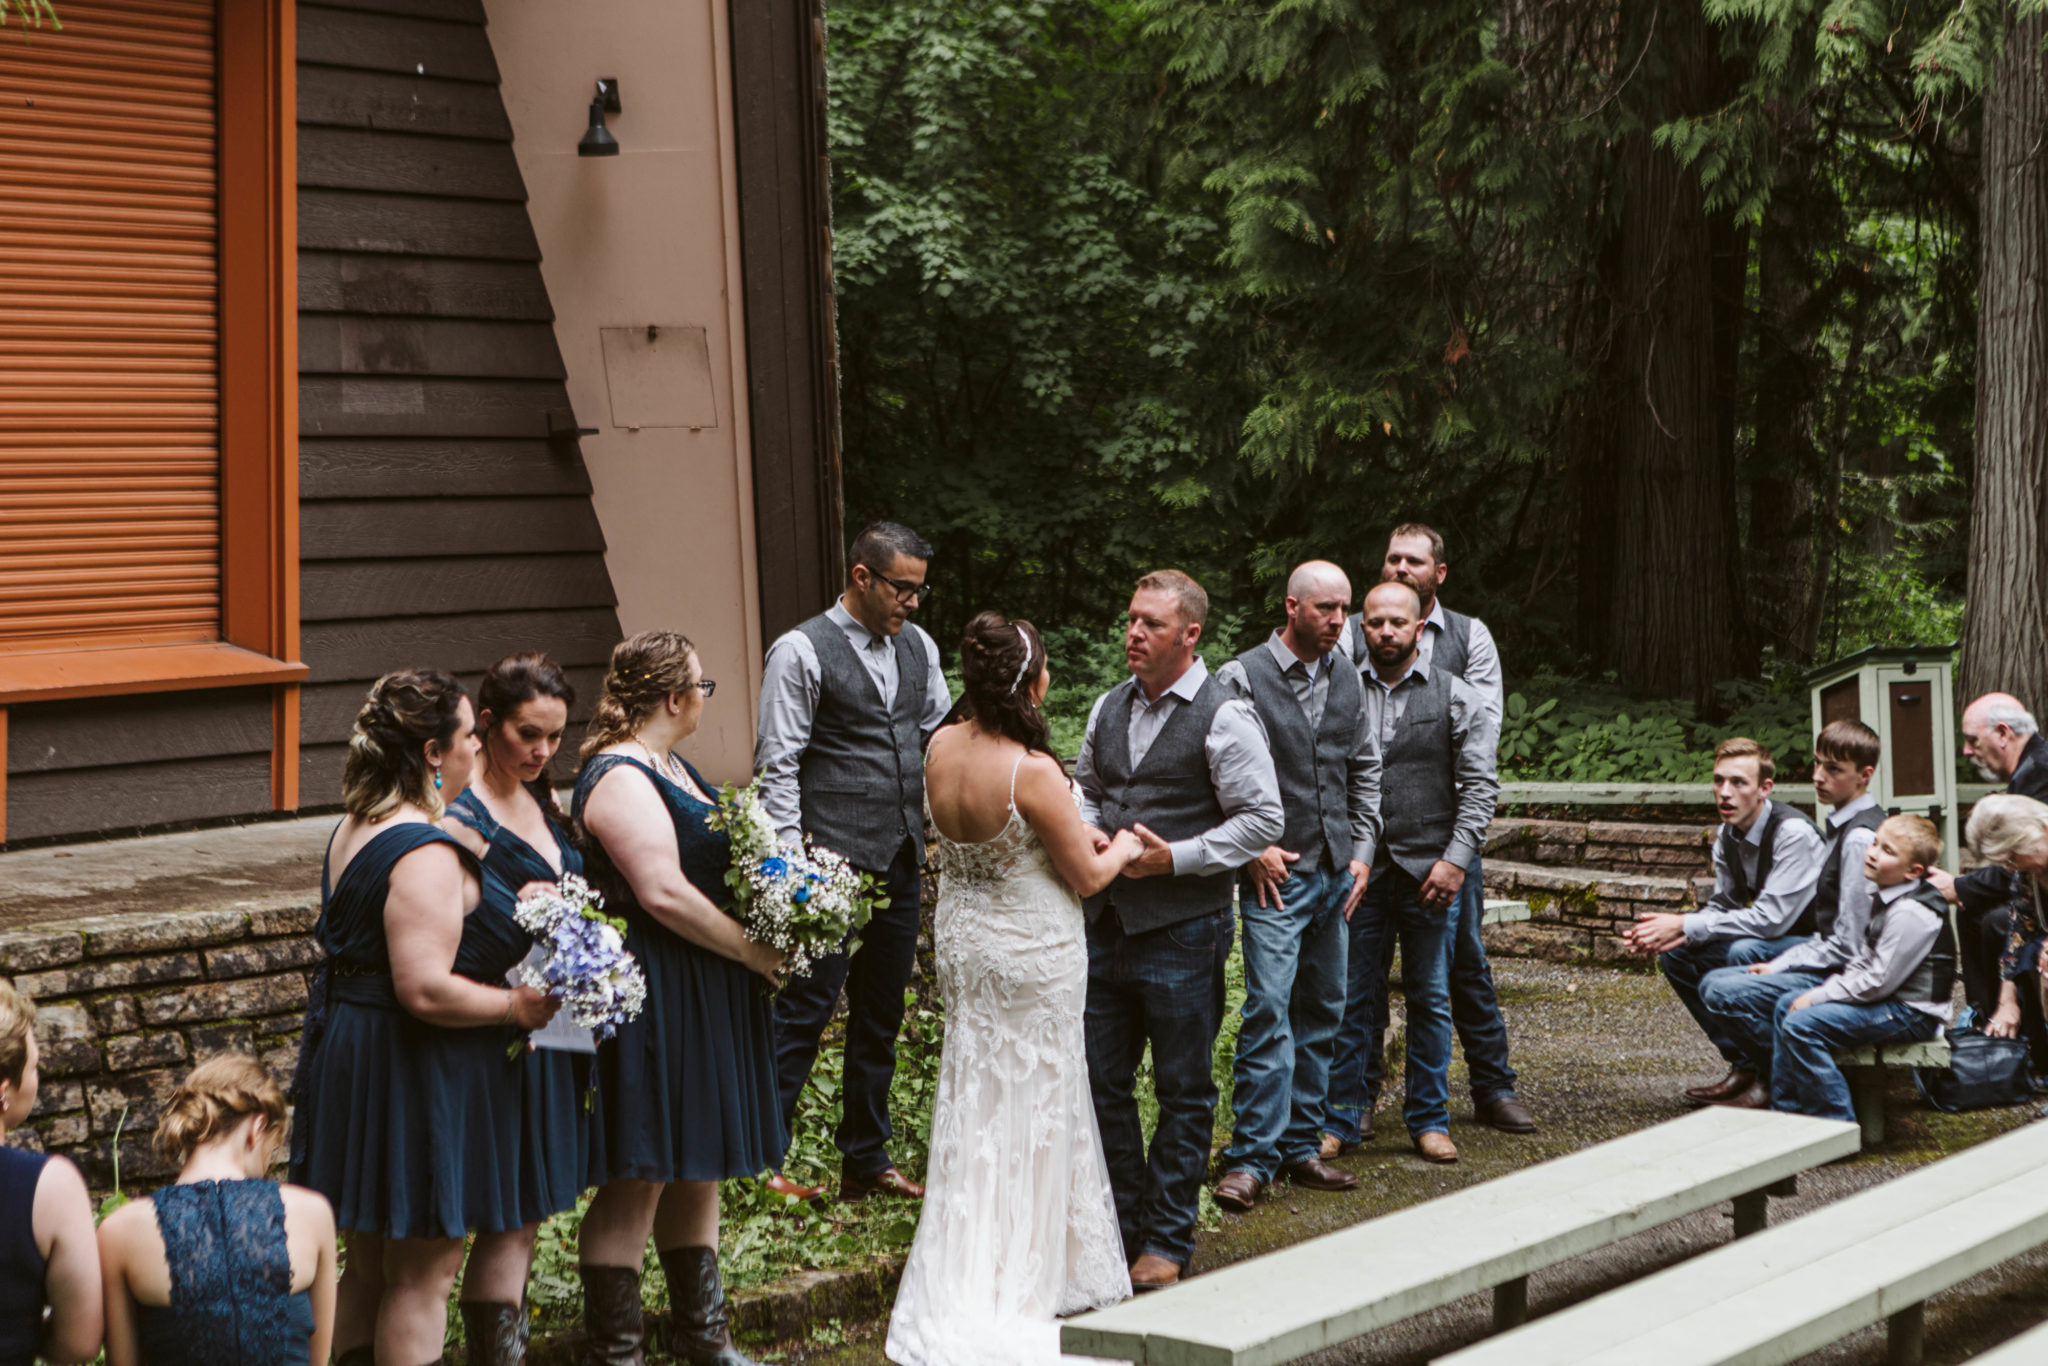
pixel 1864 1069
pixel 2028 1349
pixel 1796 1288
pixel 1302 1299
pixel 1500 911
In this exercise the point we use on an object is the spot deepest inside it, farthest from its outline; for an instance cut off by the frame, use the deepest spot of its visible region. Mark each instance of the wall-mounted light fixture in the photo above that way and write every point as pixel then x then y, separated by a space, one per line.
pixel 597 140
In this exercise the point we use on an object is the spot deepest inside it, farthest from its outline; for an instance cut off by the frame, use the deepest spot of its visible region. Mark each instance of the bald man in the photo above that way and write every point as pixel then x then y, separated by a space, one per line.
pixel 1298 894
pixel 2001 737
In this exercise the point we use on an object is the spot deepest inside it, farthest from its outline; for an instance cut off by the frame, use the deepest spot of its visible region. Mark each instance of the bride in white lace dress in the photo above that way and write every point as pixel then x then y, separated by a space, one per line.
pixel 1019 1226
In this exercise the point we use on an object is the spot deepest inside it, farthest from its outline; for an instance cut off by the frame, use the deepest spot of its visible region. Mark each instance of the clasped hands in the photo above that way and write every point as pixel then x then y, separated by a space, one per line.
pixel 1144 853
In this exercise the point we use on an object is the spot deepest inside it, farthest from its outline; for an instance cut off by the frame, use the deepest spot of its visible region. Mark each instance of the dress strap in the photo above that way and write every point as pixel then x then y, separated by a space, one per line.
pixel 1013 779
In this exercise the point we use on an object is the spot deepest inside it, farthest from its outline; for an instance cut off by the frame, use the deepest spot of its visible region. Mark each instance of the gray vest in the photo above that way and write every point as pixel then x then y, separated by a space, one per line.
pixel 862 774
pixel 1935 978
pixel 1418 778
pixel 1767 844
pixel 1170 794
pixel 1313 765
pixel 1819 916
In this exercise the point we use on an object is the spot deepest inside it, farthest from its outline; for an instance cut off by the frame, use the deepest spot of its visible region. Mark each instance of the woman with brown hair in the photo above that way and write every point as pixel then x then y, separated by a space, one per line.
pixel 224 1267
pixel 686 1092
pixel 409 1107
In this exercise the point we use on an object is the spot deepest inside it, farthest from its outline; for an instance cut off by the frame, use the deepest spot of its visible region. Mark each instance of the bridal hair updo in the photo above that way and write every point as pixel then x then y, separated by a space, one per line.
pixel 646 670
pixel 512 682
pixel 387 762
pixel 1000 660
pixel 219 1094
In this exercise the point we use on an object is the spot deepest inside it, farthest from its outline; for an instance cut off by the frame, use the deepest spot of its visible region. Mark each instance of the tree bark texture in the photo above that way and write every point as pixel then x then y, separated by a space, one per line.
pixel 2005 632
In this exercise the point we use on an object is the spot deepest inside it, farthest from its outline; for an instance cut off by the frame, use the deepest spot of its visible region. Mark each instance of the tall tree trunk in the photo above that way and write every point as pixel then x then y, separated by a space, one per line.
pixel 2005 633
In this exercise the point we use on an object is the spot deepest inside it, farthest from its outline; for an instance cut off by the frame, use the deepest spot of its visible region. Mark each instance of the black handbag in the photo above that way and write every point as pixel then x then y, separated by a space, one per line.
pixel 1983 1073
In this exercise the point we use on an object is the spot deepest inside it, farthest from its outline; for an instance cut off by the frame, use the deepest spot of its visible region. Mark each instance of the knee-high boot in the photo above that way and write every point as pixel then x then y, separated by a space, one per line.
pixel 701 1323
pixel 495 1332
pixel 614 1329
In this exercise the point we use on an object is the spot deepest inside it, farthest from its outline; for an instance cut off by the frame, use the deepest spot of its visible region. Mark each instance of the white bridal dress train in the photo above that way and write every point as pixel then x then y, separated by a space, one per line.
pixel 1019 1226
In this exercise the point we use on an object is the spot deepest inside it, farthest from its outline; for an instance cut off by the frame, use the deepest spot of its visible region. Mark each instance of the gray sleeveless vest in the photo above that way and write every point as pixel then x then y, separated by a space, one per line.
pixel 1170 794
pixel 1313 765
pixel 1935 978
pixel 1731 857
pixel 1418 779
pixel 862 774
pixel 1821 912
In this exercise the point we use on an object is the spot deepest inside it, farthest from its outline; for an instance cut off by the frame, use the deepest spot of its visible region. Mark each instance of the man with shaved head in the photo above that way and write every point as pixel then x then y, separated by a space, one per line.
pixel 1300 892
pixel 2001 737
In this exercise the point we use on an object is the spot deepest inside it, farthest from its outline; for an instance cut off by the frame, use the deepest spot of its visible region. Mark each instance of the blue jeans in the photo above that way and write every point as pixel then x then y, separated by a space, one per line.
pixel 1163 987
pixel 1804 1078
pixel 1745 1007
pixel 1294 1002
pixel 1391 909
pixel 1685 966
pixel 1475 1006
pixel 875 975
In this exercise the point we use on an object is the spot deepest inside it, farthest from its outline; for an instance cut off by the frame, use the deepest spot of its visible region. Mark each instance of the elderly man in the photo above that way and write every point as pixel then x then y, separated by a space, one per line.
pixel 2001 737
pixel 1171 755
pixel 1302 889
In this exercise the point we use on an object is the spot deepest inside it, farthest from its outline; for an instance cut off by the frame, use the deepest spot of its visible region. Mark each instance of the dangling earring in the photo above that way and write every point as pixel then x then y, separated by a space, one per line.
pixel 437 777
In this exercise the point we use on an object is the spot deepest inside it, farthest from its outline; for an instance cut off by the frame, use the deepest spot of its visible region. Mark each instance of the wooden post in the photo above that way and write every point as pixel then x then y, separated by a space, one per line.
pixel 1752 1213
pixel 1866 1088
pixel 1511 1304
pixel 1905 1336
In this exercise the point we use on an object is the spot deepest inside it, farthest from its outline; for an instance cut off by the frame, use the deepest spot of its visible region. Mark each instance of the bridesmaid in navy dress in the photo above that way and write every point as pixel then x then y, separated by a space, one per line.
pixel 507 817
pixel 224 1267
pixel 409 1108
pixel 686 1093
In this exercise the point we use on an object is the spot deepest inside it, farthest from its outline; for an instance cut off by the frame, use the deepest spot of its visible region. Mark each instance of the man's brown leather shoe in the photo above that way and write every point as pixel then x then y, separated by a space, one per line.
pixel 1436 1147
pixel 1757 1097
pixel 1317 1175
pixel 888 1182
pixel 1238 1191
pixel 1334 1146
pixel 1737 1081
pixel 1507 1114
pixel 1153 1273
pixel 790 1190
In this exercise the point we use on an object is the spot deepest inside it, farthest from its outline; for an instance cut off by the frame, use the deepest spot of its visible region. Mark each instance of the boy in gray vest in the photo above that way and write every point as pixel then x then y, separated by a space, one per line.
pixel 848 699
pixel 1744 998
pixel 1437 794
pixel 1895 990
pixel 1767 863
pixel 1302 890
pixel 1171 756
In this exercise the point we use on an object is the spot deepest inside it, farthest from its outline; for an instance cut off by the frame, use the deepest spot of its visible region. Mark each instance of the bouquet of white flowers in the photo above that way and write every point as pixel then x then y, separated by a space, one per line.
pixel 585 963
pixel 801 902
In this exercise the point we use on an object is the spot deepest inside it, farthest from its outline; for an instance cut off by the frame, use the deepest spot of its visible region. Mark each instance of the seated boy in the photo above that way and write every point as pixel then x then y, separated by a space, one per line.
pixel 1895 990
pixel 1743 999
pixel 1766 865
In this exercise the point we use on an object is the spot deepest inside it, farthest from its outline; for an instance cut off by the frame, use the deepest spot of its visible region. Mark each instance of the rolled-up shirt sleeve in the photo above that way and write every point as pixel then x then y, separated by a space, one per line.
pixel 790 683
pixel 1796 859
pixel 1476 736
pixel 1241 767
pixel 1362 787
pixel 1087 781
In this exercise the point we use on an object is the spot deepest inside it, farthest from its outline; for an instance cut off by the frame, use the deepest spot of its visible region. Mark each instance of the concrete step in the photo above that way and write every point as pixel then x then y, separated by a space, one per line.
pixel 1615 846
pixel 1543 884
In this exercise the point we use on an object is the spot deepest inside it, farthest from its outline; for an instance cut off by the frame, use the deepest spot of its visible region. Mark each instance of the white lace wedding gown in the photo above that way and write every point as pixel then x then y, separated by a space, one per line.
pixel 1018 1225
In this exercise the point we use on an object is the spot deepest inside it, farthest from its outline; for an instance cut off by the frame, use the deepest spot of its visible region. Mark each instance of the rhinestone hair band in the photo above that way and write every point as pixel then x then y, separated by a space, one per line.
pixel 1024 663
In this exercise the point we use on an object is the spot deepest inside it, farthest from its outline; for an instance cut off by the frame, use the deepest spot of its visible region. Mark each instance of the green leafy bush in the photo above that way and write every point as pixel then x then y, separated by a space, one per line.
pixel 1581 731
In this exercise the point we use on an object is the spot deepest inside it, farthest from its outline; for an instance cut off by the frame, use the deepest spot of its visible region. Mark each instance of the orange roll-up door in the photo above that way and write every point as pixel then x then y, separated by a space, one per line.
pixel 109 305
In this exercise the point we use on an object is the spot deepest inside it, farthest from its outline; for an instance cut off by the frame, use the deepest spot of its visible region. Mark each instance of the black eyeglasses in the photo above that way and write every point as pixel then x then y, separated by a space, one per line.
pixel 905 592
pixel 707 686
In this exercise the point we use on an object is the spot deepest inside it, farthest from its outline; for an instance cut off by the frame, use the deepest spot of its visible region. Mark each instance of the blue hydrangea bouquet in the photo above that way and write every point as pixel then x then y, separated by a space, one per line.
pixel 583 959
pixel 802 902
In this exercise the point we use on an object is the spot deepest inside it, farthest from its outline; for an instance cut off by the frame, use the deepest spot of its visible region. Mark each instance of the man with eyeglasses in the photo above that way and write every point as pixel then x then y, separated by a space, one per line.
pixel 848 699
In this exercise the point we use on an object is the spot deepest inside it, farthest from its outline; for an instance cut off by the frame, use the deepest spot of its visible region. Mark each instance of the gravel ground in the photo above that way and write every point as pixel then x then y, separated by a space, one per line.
pixel 1601 1053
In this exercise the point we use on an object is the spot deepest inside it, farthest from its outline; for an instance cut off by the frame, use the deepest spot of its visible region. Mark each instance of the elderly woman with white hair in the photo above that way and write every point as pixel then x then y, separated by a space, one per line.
pixel 2011 831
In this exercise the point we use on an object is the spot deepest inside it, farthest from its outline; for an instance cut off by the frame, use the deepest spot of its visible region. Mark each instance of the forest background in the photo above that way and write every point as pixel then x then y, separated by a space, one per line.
pixel 1710 335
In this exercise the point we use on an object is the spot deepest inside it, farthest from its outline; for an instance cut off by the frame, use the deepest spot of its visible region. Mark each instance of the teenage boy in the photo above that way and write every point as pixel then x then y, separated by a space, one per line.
pixel 1766 865
pixel 1895 990
pixel 1743 1000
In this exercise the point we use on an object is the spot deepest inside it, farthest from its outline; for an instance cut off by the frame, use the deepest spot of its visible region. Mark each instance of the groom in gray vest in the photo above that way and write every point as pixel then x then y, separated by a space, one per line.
pixel 848 699
pixel 1170 755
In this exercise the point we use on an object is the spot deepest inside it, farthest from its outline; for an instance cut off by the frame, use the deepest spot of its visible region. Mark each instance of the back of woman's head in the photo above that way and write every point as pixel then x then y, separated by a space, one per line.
pixel 1000 660
pixel 17 1018
pixel 387 762
pixel 645 670
pixel 218 1094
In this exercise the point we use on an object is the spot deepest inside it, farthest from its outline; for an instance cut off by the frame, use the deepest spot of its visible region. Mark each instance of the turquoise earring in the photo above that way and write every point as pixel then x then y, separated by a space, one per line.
pixel 437 777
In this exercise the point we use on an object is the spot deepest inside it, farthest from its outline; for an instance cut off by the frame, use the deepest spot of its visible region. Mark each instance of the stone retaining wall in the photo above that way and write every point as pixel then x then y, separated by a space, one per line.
pixel 127 1003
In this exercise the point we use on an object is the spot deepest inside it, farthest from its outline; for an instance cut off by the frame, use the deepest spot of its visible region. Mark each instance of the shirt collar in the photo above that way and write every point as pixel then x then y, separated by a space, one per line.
pixel 1436 616
pixel 1184 688
pixel 1755 834
pixel 1419 669
pixel 1841 814
pixel 1284 656
pixel 1890 894
pixel 852 625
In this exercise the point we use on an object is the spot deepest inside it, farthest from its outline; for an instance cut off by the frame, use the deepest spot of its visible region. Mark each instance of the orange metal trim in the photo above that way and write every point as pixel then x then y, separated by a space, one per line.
pixel 55 674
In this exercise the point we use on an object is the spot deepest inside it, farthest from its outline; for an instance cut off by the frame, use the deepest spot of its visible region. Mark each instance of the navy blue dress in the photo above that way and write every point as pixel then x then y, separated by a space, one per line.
pixel 556 1154
pixel 22 1268
pixel 687 1091
pixel 411 1130
pixel 231 1281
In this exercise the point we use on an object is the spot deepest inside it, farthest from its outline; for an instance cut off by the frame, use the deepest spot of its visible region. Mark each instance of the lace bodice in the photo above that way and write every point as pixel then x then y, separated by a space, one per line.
pixel 231 1280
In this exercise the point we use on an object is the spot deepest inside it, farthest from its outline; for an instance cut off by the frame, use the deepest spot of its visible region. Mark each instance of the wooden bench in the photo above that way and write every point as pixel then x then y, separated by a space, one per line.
pixel 1497 911
pixel 2028 1349
pixel 1290 1303
pixel 1864 1069
pixel 1792 1290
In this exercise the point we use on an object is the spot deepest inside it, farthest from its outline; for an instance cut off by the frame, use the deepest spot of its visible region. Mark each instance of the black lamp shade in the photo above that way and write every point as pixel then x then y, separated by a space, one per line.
pixel 597 141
